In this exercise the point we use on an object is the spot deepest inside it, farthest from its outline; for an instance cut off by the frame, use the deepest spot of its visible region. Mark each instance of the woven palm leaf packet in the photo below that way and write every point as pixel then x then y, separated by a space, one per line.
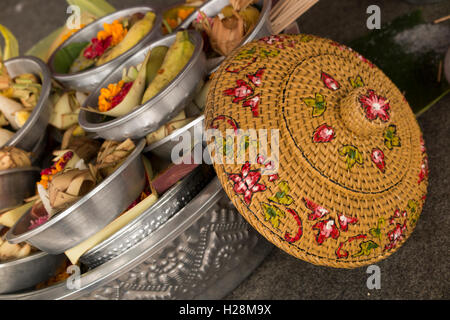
pixel 352 166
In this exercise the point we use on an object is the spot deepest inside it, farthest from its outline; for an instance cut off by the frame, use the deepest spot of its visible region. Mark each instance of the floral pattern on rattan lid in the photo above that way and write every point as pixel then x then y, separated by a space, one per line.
pixel 348 183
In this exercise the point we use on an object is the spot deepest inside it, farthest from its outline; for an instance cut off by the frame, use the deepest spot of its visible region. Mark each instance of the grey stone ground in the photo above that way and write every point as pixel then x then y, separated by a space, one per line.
pixel 420 269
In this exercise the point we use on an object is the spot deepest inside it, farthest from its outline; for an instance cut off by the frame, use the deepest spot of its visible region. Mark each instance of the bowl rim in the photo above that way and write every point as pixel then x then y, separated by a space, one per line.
pixel 30 258
pixel 24 169
pixel 16 238
pixel 119 13
pixel 46 86
pixel 151 210
pixel 174 134
pixel 94 127
pixel 264 15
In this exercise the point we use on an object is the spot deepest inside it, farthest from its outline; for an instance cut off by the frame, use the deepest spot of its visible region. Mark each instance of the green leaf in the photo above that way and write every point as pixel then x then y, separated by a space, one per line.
pixel 40 49
pixel 98 8
pixel 67 55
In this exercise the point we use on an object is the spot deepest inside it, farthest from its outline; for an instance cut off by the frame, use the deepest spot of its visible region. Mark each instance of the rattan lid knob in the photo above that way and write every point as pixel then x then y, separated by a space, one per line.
pixel 357 117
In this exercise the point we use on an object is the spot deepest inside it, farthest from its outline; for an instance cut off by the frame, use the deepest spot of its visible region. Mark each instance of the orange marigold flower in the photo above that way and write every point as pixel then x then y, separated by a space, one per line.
pixel 184 13
pixel 70 33
pixel 107 94
pixel 115 30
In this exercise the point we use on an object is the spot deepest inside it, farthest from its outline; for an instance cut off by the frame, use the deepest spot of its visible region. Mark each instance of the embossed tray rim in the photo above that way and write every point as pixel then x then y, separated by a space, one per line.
pixel 118 266
pixel 137 224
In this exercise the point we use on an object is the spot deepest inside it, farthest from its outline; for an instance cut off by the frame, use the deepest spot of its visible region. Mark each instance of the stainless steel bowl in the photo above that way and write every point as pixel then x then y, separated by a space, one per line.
pixel 136 231
pixel 17 184
pixel 28 136
pixel 163 148
pixel 24 273
pixel 37 152
pixel 202 252
pixel 88 215
pixel 213 7
pixel 158 110
pixel 88 80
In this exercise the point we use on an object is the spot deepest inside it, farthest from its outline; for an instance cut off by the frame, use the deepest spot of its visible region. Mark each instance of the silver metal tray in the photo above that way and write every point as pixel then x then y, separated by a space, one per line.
pixel 88 215
pixel 136 231
pixel 203 252
pixel 88 80
pixel 158 110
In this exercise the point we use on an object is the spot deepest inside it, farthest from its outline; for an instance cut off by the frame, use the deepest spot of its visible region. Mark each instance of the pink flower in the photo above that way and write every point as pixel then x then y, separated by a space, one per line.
pixel 317 211
pixel 37 222
pixel 345 221
pixel 422 145
pixel 246 182
pixel 255 78
pixel 272 39
pixel 395 235
pixel 327 229
pixel 329 82
pixel 378 158
pixel 423 170
pixel 324 133
pixel 253 103
pixel 375 106
pixel 240 92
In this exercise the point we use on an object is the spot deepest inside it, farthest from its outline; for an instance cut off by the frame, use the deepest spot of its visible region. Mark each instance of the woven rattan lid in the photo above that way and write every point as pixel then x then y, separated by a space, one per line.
pixel 352 168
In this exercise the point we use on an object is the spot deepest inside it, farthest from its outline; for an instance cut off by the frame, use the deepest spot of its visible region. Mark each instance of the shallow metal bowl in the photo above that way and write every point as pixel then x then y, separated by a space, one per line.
pixel 88 215
pixel 163 148
pixel 24 273
pixel 88 80
pixel 202 252
pixel 155 216
pixel 213 7
pixel 17 184
pixel 29 134
pixel 158 110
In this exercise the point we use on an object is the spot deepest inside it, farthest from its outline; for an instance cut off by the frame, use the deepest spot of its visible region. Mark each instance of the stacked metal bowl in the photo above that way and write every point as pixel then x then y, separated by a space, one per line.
pixel 191 243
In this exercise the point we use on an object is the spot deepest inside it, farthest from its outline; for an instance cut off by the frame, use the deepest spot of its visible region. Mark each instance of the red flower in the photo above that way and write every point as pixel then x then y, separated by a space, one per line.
pixel 229 121
pixel 255 78
pixel 287 236
pixel 345 221
pixel 324 133
pixel 378 158
pixel 246 182
pixel 253 103
pixel 423 170
pixel 329 82
pixel 118 98
pixel 97 48
pixel 395 235
pixel 327 229
pixel 317 211
pixel 375 106
pixel 240 92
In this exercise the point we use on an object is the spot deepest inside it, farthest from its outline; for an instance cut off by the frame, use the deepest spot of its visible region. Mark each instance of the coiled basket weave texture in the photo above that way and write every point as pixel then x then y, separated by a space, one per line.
pixel 349 181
